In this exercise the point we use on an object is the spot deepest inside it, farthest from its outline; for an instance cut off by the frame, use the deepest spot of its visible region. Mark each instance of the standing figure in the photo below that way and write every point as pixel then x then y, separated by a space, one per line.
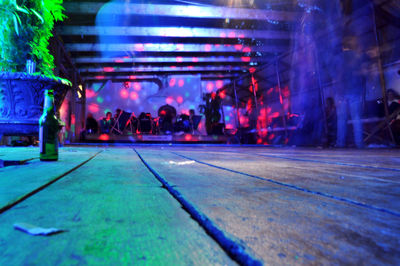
pixel 350 94
pixel 331 121
pixel 106 123
pixel 91 125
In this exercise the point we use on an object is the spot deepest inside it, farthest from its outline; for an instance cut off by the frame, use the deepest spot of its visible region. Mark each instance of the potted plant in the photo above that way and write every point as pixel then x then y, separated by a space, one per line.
pixel 25 29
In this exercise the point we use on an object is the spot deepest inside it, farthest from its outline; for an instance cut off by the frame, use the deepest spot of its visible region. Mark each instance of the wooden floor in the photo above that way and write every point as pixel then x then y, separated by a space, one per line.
pixel 202 205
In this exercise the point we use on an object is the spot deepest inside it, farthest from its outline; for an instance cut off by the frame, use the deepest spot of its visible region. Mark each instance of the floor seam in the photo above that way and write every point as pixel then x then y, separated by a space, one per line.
pixel 322 194
pixel 42 187
pixel 236 251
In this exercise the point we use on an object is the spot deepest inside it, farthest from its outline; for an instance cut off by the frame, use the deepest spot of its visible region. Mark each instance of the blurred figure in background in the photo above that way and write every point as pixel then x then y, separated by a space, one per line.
pixel 392 101
pixel 91 124
pixel 331 121
pixel 352 78
pixel 393 106
pixel 106 123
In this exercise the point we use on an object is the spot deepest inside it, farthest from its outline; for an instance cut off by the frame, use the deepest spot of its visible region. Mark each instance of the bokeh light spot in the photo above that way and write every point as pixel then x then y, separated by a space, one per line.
pixel 137 86
pixel 104 137
pixel 93 108
pixel 210 87
pixel 169 100
pixel 124 94
pixel 172 82
pixel 179 99
pixel 134 95
pixel 90 93
pixel 219 84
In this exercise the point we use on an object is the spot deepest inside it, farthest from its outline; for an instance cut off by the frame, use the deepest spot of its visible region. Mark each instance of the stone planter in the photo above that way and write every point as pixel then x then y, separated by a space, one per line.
pixel 21 101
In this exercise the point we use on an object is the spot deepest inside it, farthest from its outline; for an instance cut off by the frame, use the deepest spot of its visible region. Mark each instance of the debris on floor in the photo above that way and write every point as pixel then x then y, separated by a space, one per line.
pixel 181 163
pixel 36 230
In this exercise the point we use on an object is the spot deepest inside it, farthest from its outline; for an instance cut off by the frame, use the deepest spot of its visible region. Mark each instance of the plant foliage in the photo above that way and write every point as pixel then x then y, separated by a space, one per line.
pixel 25 29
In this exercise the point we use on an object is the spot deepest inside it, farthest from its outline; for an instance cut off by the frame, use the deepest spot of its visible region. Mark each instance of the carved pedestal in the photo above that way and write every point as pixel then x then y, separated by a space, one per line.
pixel 21 101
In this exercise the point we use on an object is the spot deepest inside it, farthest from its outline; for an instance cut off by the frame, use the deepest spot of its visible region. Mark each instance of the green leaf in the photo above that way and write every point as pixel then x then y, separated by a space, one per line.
pixel 16 24
pixel 18 18
pixel 38 15
pixel 21 9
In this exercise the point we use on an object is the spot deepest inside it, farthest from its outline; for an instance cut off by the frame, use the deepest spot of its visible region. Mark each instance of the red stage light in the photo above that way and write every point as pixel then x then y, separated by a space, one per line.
pixel 179 99
pixel 134 95
pixel 275 115
pixel 104 137
pixel 90 93
pixel 238 47
pixel 124 93
pixel 181 82
pixel 210 87
pixel 246 50
pixel 137 86
pixel 93 108
pixel 108 69
pixel 172 82
pixel 219 84
pixel 169 100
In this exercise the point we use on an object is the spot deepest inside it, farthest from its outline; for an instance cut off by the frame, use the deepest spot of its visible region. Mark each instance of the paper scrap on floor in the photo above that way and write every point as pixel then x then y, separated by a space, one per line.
pixel 181 163
pixel 36 230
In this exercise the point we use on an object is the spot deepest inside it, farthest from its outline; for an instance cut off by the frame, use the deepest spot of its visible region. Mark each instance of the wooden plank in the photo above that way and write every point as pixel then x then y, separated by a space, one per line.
pixel 18 153
pixel 16 182
pixel 116 213
pixel 281 225
pixel 336 174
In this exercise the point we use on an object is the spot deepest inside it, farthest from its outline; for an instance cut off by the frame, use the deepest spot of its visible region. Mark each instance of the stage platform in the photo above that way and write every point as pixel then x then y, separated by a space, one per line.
pixel 201 205
pixel 149 138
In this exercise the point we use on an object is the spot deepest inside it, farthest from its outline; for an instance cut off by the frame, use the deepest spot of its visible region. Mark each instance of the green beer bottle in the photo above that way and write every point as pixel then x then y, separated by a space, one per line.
pixel 48 129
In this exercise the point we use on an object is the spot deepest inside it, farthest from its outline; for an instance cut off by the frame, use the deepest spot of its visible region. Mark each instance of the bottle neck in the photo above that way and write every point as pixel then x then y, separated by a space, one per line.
pixel 48 101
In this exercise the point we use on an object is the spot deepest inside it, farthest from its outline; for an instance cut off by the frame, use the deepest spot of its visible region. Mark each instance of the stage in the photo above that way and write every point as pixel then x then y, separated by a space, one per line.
pixel 201 205
pixel 156 138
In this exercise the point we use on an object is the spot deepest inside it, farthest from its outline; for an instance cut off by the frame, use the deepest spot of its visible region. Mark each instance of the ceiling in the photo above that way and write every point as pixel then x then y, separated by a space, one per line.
pixel 127 40
pixel 122 40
